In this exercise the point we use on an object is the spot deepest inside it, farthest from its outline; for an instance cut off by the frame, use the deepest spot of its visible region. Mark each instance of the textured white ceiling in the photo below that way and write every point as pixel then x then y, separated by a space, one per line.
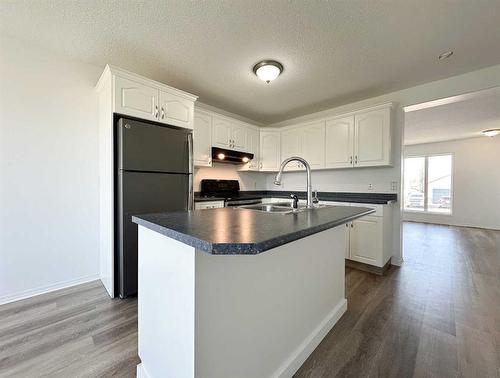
pixel 456 120
pixel 334 52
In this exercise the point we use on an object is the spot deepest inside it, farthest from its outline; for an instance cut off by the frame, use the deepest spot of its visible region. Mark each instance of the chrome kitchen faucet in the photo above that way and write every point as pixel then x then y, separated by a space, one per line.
pixel 277 179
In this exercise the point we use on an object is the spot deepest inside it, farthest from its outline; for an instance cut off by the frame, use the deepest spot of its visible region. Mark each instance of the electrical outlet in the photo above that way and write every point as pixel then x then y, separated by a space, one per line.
pixel 394 185
pixel 370 186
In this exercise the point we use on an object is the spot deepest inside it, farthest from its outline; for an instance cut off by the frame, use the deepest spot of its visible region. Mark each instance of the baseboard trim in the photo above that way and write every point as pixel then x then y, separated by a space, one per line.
pixel 46 289
pixel 141 372
pixel 397 261
pixel 367 267
pixel 304 350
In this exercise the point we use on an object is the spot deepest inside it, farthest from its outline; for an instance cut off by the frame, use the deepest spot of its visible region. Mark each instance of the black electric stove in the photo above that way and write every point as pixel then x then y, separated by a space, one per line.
pixel 229 190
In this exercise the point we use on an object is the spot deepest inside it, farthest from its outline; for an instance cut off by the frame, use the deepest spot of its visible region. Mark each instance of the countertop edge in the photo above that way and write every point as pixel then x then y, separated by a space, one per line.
pixel 231 249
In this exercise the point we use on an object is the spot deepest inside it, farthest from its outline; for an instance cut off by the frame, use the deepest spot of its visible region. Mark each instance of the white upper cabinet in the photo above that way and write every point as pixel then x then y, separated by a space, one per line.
pixel 175 110
pixel 270 150
pixel 229 134
pixel 307 142
pixel 239 138
pixel 339 142
pixel 253 146
pixel 290 146
pixel 202 139
pixel 136 99
pixel 142 98
pixel 312 144
pixel 221 132
pixel 372 141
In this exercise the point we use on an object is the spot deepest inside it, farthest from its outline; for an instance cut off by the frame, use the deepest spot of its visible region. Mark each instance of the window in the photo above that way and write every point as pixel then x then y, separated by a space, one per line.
pixel 428 184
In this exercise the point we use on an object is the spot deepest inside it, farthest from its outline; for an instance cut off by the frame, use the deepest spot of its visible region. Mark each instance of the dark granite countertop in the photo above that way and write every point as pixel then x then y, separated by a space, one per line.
pixel 236 231
pixel 373 198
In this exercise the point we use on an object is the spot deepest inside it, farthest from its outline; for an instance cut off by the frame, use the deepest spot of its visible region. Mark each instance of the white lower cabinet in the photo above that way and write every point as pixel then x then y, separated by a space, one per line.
pixel 208 205
pixel 365 240
pixel 370 237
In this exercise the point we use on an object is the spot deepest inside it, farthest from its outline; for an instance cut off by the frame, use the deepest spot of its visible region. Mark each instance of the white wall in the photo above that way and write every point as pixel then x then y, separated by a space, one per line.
pixel 382 177
pixel 248 180
pixel 49 162
pixel 341 180
pixel 476 182
pixel 48 171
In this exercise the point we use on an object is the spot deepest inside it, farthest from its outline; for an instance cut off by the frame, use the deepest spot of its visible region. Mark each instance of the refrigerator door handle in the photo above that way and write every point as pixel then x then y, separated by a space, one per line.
pixel 190 170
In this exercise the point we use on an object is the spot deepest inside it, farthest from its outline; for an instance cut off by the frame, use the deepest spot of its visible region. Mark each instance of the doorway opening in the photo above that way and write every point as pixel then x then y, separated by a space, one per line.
pixel 450 172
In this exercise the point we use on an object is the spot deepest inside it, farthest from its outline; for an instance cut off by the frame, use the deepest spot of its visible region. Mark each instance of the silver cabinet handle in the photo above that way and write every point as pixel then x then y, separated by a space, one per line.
pixel 352 225
pixel 162 113
pixel 356 159
pixel 156 111
pixel 350 160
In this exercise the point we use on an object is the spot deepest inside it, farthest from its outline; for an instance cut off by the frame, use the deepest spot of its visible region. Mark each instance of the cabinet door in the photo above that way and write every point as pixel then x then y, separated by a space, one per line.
pixel 221 132
pixel 175 110
pixel 202 139
pixel 269 150
pixel 313 144
pixel 372 138
pixel 290 146
pixel 239 138
pixel 136 99
pixel 253 146
pixel 365 240
pixel 339 141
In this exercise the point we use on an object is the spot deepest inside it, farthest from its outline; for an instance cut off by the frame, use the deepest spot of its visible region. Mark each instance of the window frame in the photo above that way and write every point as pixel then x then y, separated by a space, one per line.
pixel 426 183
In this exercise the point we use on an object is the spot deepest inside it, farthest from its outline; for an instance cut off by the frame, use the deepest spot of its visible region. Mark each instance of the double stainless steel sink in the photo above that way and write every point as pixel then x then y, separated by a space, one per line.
pixel 279 207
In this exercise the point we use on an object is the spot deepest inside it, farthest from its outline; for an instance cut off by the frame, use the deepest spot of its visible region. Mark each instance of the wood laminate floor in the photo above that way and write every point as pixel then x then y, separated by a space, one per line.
pixel 437 316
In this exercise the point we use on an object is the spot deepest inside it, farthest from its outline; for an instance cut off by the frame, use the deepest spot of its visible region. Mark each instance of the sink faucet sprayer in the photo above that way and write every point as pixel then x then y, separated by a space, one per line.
pixel 277 179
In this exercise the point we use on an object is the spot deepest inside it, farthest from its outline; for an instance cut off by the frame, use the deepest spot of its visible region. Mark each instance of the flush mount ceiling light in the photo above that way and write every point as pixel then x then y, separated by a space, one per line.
pixel 445 55
pixel 268 70
pixel 491 132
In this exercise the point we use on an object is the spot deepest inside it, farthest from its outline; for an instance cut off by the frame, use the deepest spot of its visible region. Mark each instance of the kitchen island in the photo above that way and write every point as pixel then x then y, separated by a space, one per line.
pixel 238 292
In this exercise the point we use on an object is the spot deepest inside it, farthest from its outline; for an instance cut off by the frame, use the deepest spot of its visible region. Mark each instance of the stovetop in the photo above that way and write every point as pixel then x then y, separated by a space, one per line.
pixel 228 190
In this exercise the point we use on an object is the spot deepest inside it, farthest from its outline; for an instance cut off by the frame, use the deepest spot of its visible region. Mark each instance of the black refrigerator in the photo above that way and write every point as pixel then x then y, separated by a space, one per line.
pixel 154 174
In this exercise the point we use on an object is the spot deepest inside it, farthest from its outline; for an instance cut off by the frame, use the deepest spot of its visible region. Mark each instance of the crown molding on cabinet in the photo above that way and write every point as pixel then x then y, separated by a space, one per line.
pixel 113 70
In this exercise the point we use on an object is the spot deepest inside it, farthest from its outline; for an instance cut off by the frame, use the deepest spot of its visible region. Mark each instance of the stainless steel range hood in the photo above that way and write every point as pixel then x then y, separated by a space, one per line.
pixel 221 155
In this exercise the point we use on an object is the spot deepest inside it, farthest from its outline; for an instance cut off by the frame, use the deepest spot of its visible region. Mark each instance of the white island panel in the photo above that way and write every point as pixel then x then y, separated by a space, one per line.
pixel 203 315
